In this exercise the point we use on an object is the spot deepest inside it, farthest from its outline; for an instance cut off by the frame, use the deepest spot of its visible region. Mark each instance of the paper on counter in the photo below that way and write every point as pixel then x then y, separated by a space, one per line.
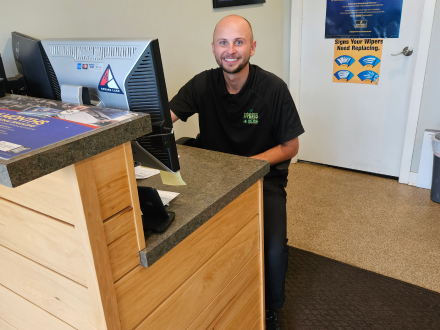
pixel 144 172
pixel 167 196
pixel 172 179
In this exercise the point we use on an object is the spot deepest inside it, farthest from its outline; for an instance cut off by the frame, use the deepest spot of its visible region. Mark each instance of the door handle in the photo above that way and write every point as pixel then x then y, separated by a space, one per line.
pixel 407 51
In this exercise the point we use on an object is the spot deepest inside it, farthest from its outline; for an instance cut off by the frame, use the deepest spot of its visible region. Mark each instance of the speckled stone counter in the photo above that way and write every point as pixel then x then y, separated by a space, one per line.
pixel 213 181
pixel 37 163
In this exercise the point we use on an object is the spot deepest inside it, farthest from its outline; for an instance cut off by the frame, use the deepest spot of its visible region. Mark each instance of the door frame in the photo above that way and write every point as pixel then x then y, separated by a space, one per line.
pixel 417 86
pixel 417 91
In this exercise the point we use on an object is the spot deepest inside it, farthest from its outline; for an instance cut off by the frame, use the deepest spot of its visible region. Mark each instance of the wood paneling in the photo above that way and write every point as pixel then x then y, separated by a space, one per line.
pixel 220 312
pixel 262 289
pixel 47 195
pixel 110 174
pixel 54 293
pixel 143 290
pixel 49 242
pixel 90 233
pixel 118 225
pixel 134 195
pixel 23 315
pixel 121 238
pixel 248 313
pixel 191 299
pixel 259 325
pixel 6 326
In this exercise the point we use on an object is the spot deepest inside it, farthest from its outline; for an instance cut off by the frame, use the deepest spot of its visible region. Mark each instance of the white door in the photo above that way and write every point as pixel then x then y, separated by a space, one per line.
pixel 356 126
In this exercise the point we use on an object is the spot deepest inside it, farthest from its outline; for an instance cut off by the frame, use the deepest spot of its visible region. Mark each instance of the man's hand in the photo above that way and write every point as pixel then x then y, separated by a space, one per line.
pixel 174 118
pixel 280 153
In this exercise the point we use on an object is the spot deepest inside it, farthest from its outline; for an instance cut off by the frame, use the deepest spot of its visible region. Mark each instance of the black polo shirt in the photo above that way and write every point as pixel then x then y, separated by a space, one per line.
pixel 261 116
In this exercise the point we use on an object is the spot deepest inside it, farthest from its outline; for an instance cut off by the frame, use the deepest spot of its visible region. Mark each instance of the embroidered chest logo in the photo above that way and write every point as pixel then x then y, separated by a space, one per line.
pixel 250 117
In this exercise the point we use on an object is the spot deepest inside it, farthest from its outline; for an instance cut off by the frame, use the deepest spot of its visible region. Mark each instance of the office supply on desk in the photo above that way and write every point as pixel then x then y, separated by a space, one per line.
pixel 167 196
pixel 142 172
pixel 172 179
pixel 155 218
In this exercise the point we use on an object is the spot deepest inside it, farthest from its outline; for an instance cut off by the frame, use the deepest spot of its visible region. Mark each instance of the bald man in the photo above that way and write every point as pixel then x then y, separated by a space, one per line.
pixel 244 110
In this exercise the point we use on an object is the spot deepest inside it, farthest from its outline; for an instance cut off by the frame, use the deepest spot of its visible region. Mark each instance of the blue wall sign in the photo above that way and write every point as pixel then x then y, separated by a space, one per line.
pixel 363 18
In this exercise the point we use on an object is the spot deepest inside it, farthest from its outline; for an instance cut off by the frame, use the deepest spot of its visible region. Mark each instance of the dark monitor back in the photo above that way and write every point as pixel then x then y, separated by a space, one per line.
pixel 32 63
pixel 4 83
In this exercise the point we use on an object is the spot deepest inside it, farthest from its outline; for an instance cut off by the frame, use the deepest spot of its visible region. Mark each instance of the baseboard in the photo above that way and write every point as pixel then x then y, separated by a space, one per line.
pixel 412 180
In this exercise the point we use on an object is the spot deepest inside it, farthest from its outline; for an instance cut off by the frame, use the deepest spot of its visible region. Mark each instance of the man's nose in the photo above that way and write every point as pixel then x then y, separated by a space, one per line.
pixel 231 49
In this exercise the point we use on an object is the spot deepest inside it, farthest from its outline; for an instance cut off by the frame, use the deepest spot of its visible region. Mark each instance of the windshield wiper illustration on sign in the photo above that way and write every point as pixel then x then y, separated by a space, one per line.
pixel 369 75
pixel 369 60
pixel 345 60
pixel 344 75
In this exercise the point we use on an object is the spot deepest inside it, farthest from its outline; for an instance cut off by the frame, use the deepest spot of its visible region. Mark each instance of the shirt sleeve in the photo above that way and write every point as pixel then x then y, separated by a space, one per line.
pixel 185 103
pixel 288 123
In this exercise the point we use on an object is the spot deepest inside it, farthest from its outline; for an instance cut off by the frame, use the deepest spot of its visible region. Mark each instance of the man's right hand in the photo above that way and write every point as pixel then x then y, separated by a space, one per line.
pixel 174 118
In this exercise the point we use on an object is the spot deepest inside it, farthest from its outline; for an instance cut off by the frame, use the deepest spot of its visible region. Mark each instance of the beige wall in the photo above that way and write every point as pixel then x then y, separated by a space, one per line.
pixel 184 29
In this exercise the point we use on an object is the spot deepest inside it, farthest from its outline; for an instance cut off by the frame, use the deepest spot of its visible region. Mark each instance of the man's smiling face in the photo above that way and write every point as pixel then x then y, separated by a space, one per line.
pixel 233 44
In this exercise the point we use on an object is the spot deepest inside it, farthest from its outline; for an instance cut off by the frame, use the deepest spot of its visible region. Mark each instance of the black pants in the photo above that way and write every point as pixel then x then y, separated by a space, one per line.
pixel 275 240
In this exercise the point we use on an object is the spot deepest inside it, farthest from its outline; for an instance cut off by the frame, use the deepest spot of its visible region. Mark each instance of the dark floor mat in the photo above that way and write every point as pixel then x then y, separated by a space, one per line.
pixel 322 293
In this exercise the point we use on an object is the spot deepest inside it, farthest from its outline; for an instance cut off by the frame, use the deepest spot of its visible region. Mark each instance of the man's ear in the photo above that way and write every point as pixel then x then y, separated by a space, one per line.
pixel 212 44
pixel 254 45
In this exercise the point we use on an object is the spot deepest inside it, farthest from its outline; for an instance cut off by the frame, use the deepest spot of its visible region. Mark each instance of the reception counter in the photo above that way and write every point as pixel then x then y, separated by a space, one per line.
pixel 73 253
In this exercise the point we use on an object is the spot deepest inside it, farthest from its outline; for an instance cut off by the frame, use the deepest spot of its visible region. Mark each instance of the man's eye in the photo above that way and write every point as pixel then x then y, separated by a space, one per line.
pixel 222 43
pixel 239 42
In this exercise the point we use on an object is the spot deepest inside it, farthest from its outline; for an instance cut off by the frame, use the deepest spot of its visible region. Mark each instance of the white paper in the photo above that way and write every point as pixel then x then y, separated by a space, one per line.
pixel 144 172
pixel 167 196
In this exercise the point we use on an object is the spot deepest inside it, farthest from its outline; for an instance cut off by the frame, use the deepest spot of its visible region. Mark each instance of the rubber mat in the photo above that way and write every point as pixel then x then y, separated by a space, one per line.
pixel 322 293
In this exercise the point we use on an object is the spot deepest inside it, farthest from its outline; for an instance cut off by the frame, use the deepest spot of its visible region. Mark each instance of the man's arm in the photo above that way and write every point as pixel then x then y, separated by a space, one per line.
pixel 174 118
pixel 280 153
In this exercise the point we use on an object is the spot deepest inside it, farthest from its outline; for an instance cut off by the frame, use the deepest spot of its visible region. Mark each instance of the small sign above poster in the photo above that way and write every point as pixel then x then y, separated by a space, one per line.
pixel 230 3
pixel 357 61
pixel 363 18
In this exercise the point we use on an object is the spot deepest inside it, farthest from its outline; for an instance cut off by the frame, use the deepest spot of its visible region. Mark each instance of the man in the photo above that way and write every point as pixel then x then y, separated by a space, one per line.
pixel 244 110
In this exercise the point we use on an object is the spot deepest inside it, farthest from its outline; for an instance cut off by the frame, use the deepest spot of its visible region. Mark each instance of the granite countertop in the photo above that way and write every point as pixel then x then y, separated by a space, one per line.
pixel 37 163
pixel 213 180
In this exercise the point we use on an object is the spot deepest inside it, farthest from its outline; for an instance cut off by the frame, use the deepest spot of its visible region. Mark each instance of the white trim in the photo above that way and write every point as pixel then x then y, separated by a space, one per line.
pixel 417 90
pixel 295 54
pixel 412 180
pixel 295 50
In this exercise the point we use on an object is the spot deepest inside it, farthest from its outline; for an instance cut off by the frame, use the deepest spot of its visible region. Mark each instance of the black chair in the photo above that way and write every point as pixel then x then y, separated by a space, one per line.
pixel 188 141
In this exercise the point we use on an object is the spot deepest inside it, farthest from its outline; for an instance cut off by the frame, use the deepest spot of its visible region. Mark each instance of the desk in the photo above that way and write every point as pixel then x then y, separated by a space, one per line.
pixel 70 242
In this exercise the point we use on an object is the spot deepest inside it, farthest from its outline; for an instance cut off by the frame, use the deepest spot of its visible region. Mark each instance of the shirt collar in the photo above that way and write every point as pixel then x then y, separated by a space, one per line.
pixel 239 97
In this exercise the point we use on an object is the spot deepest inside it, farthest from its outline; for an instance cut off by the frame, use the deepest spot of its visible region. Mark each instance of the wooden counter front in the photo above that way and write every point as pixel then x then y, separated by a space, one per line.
pixel 69 257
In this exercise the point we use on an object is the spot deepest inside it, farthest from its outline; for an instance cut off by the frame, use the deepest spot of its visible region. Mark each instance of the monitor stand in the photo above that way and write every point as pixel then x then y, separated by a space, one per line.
pixel 155 218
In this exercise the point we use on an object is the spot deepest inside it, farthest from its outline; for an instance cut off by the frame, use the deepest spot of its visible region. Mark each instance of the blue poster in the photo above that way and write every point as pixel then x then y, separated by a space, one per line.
pixel 20 133
pixel 363 18
pixel 28 123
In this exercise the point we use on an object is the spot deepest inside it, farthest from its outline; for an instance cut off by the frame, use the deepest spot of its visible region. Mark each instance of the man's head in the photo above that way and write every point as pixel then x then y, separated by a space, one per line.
pixel 233 43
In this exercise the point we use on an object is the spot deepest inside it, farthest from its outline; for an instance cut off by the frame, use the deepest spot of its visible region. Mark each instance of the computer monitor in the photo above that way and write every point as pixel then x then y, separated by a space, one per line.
pixel 32 63
pixel 119 73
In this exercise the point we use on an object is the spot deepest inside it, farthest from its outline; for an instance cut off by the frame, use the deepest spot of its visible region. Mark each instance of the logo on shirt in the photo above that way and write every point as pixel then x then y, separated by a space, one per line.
pixel 250 117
